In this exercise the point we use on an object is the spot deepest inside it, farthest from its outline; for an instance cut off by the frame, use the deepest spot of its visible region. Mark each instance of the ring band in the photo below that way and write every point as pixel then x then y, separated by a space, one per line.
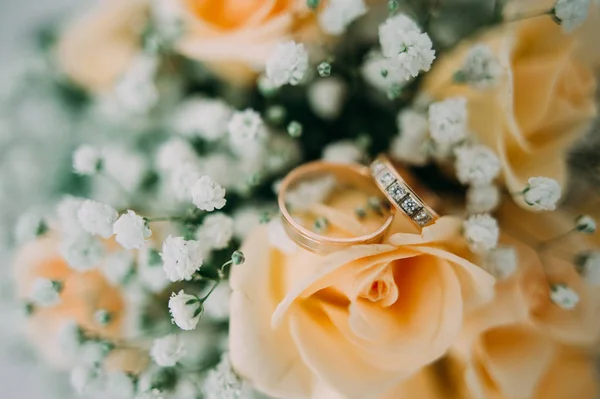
pixel 310 240
pixel 400 194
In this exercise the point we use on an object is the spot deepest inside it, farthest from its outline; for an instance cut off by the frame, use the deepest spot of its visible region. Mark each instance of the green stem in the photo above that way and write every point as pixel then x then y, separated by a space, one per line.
pixel 205 297
pixel 524 16
pixel 165 219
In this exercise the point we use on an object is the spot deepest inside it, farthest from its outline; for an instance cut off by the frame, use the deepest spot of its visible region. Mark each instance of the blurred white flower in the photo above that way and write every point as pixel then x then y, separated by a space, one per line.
pixel 118 385
pixel 185 310
pixel 481 68
pixel 287 64
pixel 223 383
pixel 182 178
pixel 585 224
pixel 588 267
pixel 136 89
pixel 564 297
pixel 202 117
pixel 410 145
pixel 338 14
pixel 66 211
pixel 149 269
pixel 571 14
pixel 87 380
pixel 29 226
pixel 208 195
pixel 215 231
pixel 82 251
pixel 344 151
pixel 542 193
pixel 482 199
pixel 326 97
pixel 501 262
pixel 173 153
pixel 481 233
pixel 117 267
pixel 448 120
pixel 476 164
pixel 45 293
pixel 181 258
pixel 127 166
pixel 131 230
pixel 87 160
pixel 97 218
pixel 247 133
pixel 93 352
pixel 70 338
pixel 168 350
pixel 382 73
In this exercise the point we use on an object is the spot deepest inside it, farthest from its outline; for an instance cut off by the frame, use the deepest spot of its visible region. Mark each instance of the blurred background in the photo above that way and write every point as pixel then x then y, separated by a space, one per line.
pixel 20 376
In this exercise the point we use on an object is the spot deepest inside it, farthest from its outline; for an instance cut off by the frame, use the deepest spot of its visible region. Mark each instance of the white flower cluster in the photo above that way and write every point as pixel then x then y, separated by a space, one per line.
pixel 202 117
pixel 481 68
pixel 287 64
pixel 481 232
pixel 223 383
pixel 448 121
pixel 542 193
pixel 476 165
pixel 181 258
pixel 185 310
pixel 344 151
pixel 208 195
pixel 215 231
pixel 338 14
pixel 571 14
pixel 168 350
pixel 411 145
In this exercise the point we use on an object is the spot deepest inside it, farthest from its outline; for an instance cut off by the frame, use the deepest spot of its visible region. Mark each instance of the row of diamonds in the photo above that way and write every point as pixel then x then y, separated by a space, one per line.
pixel 409 204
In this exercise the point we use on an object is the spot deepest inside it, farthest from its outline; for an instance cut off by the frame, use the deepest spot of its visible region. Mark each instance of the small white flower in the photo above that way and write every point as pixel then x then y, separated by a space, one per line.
pixel 216 231
pixel 102 317
pixel 403 42
pixel 246 219
pixel 117 267
pixel 93 352
pixel 66 211
pixel 87 160
pixel 126 166
pixel 345 151
pixel 173 153
pixel 476 165
pixel 87 380
pixel 185 310
pixel 202 117
pixel 481 68
pixel 410 145
pixel 153 394
pixel 225 169
pixel 287 64
pixel 136 90
pixel 383 73
pixel 118 385
pixel 45 293
pixel 326 97
pixel 168 350
pixel 181 258
pixel 588 267
pixel 30 225
pixel 70 338
pixel 338 14
pixel 82 252
pixel 481 232
pixel 542 193
pixel 501 262
pixel 571 13
pixel 223 383
pixel 131 230
pixel 448 120
pixel 278 237
pixel 182 178
pixel 564 297
pixel 149 269
pixel 216 306
pixel 307 193
pixel 246 132
pixel 585 224
pixel 97 218
pixel 208 195
pixel 482 199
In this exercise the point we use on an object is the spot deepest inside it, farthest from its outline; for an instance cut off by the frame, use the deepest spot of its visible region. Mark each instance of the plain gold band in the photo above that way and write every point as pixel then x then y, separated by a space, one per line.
pixel 314 242
pixel 400 193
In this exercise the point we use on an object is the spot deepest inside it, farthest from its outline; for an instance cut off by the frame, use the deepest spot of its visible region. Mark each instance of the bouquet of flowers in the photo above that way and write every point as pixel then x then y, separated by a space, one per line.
pixel 163 245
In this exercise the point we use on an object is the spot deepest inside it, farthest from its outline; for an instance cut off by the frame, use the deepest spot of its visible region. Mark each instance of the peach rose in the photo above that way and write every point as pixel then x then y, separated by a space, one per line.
pixel 82 294
pixel 235 38
pixel 359 323
pixel 542 104
pixel 96 49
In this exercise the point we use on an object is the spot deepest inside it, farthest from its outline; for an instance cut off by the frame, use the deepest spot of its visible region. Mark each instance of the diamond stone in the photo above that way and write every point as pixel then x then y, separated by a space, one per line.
pixel 377 167
pixel 410 205
pixel 385 178
pixel 397 191
pixel 423 217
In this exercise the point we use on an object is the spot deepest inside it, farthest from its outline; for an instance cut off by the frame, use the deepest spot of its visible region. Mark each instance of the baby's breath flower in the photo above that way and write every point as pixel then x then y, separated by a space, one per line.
pixel 403 42
pixel 173 153
pixel 136 90
pixel 131 230
pixel 288 64
pixel 102 317
pixel 185 310
pixel 245 128
pixel 585 224
pixel 208 195
pixel 66 211
pixel 70 338
pixel 564 296
pixel 501 262
pixel 82 252
pixel 87 380
pixel 307 193
pixel 181 258
pixel 410 145
pixel 202 117
pixel 223 383
pixel 182 178
pixel 481 68
pixel 326 97
pixel 119 385
pixel 542 193
pixel 345 151
pixel 126 166
pixel 168 350
pixel 152 394
pixel 97 218
pixel 30 225
pixel 149 269
pixel 448 120
pixel 216 231
pixel 571 14
pixel 93 352
pixel 588 266
pixel 383 73
pixel 338 14
pixel 476 165
pixel 481 232
pixel 45 293
pixel 482 199
pixel 87 160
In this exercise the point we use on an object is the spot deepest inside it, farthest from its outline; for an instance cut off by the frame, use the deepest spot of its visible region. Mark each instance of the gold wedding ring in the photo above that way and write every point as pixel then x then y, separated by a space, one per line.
pixel 347 176
pixel 400 193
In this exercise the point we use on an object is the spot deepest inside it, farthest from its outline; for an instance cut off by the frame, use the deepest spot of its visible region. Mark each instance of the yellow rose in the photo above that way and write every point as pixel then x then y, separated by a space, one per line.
pixel 361 322
pixel 97 48
pixel 543 102
pixel 82 294
pixel 235 38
